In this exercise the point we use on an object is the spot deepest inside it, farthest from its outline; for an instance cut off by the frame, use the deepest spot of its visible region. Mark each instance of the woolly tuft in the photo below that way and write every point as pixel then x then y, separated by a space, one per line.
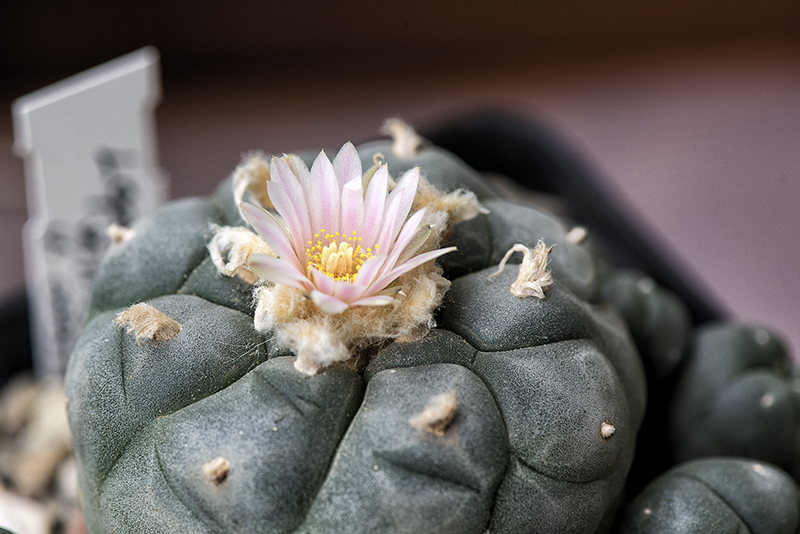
pixel 405 141
pixel 534 276
pixel 230 248
pixel 577 235
pixel 320 339
pixel 250 180
pixel 119 234
pixel 607 430
pixel 146 322
pixel 460 205
pixel 437 415
pixel 315 341
pixel 216 471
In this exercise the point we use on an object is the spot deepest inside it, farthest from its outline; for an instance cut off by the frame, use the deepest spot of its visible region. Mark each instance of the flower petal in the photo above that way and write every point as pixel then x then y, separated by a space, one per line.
pixel 271 231
pixel 390 291
pixel 403 268
pixel 352 207
pixel 369 271
pixel 347 164
pixel 278 271
pixel 374 202
pixel 288 198
pixel 300 170
pixel 347 292
pixel 376 300
pixel 328 303
pixel 323 282
pixel 410 229
pixel 424 231
pixel 398 204
pixel 324 201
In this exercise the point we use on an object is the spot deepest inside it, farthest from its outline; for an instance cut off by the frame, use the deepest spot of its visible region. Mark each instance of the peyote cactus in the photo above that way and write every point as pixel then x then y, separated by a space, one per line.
pixel 661 329
pixel 716 495
pixel 203 401
pixel 737 397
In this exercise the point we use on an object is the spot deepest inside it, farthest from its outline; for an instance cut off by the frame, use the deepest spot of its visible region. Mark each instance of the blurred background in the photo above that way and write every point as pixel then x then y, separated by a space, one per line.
pixel 689 112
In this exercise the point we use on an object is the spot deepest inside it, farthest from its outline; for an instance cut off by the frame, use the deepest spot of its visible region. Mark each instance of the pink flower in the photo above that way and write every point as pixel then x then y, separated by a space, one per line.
pixel 343 238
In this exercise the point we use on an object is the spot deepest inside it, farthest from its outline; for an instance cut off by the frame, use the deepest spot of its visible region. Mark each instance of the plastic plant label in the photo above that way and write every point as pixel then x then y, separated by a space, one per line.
pixel 89 148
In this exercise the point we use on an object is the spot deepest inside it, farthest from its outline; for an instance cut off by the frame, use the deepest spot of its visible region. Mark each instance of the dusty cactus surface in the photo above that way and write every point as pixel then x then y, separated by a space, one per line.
pixel 505 411
pixel 738 397
pixel 716 495
pixel 661 329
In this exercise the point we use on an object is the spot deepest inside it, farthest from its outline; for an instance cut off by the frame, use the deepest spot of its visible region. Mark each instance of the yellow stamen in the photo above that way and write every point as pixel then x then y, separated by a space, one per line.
pixel 336 255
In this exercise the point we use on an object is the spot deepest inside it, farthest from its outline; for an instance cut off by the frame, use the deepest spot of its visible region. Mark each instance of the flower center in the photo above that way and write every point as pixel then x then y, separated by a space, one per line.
pixel 336 255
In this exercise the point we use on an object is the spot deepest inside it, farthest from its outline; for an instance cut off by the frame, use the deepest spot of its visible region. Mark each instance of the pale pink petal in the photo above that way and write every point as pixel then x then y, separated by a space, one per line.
pixel 278 271
pixel 271 231
pixel 280 171
pixel 283 171
pixel 375 300
pixel 300 170
pixel 323 282
pixel 328 303
pixel 352 206
pixel 326 196
pixel 408 232
pixel 390 291
pixel 370 270
pixel 424 231
pixel 403 268
pixel 347 164
pixel 398 205
pixel 296 224
pixel 374 202
pixel 347 292
pixel 286 195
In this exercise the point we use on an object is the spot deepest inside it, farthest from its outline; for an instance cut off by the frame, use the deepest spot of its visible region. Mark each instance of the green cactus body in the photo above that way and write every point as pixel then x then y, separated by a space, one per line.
pixel 661 329
pixel 213 430
pixel 736 398
pixel 716 495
